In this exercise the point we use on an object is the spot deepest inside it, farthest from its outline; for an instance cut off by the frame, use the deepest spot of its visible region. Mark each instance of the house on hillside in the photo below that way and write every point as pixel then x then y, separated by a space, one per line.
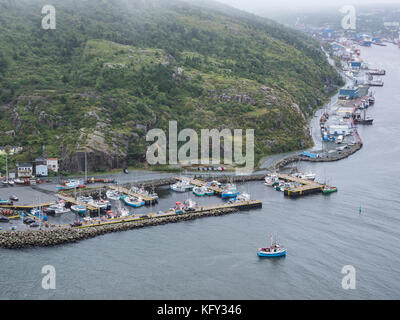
pixel 25 170
pixel 52 164
pixel 41 167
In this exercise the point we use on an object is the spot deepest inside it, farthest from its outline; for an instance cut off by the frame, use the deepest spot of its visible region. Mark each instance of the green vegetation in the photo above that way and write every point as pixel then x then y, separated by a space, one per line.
pixel 114 69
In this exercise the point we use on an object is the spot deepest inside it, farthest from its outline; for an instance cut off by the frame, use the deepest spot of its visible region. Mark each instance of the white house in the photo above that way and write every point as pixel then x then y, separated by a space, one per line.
pixel 41 167
pixel 52 164
pixel 25 170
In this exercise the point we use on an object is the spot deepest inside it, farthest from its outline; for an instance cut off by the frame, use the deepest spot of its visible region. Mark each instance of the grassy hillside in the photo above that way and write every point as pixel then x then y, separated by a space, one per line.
pixel 114 69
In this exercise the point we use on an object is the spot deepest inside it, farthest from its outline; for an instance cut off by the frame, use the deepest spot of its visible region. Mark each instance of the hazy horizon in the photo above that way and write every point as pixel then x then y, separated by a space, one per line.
pixel 263 6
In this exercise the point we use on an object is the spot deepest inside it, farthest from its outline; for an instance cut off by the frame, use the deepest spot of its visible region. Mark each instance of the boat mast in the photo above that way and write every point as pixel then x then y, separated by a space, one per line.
pixel 6 167
pixel 85 168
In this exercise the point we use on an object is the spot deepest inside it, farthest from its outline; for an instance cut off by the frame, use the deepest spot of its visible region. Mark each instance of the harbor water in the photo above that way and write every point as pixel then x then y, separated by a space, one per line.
pixel 215 257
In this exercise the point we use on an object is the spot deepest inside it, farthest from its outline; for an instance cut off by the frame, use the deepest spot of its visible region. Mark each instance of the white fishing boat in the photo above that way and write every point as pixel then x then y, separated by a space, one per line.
pixel 101 204
pixel 308 176
pixel 123 212
pixel 200 191
pixel 271 179
pixel 190 205
pixel 182 186
pixel 113 195
pixel 57 208
pixel 84 199
pixel 243 197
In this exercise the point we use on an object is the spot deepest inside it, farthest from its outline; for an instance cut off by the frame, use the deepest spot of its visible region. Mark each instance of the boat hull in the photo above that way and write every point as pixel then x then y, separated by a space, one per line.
pixel 271 254
pixel 329 191
pixel 229 195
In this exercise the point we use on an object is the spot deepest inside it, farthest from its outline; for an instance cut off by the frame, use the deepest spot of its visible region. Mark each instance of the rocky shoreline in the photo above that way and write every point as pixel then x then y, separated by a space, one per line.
pixel 52 237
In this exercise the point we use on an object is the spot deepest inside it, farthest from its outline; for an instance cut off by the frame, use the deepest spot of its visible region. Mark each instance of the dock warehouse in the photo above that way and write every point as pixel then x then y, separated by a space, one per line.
pixel 346 112
pixel 339 130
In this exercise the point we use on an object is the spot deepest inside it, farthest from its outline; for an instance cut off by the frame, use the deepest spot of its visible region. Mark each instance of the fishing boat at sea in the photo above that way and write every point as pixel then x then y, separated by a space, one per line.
pixel 274 250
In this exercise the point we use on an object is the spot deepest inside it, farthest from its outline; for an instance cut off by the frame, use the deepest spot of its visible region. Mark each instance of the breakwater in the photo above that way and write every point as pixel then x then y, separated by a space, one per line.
pixel 51 237
pixel 322 157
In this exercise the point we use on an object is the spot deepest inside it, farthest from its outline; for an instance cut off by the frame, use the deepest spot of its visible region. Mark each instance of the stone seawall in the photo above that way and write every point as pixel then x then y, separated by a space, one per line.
pixel 51 237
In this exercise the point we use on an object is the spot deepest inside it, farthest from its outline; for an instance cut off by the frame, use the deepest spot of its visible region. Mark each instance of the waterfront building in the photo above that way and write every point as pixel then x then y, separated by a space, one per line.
pixel 25 170
pixel 41 167
pixel 52 164
pixel 349 92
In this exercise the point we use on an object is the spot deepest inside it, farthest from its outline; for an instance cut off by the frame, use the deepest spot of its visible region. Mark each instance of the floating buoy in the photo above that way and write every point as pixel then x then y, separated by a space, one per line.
pixel 360 209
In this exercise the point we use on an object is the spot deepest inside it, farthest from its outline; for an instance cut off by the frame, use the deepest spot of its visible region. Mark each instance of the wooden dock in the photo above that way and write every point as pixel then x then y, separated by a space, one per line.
pixel 148 199
pixel 25 207
pixel 307 186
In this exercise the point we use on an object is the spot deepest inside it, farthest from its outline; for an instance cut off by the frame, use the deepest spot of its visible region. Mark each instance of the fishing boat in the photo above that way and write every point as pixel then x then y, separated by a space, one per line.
pixel 274 250
pixel 362 120
pixel 308 176
pixel 154 195
pixel 214 183
pixel 113 195
pixel 209 192
pixel 6 202
pixel 243 197
pixel 37 213
pixel 70 184
pixel 133 201
pixel 19 181
pixel 229 191
pixel 57 208
pixel 101 204
pixel 85 199
pixel 78 209
pixel 271 179
pixel 327 189
pixel 182 186
pixel 14 198
pixel 123 212
pixel 190 205
pixel 199 191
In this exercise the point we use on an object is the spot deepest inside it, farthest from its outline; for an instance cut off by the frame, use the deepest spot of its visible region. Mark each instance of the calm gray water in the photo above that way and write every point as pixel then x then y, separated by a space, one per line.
pixel 215 258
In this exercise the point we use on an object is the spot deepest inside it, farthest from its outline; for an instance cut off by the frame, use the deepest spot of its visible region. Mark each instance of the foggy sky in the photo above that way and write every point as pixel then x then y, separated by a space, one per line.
pixel 292 5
